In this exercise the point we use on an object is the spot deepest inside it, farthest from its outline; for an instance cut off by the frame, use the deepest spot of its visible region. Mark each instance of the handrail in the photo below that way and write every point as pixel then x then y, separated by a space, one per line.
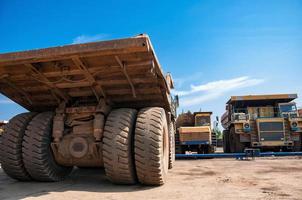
pixel 235 155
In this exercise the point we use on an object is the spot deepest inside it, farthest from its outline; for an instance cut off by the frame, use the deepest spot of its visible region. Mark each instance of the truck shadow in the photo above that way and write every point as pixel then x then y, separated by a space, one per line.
pixel 87 180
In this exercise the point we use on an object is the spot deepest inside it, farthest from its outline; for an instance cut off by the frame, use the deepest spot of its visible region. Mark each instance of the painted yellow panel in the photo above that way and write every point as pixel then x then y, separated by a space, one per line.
pixel 272 143
pixel 196 129
pixel 195 134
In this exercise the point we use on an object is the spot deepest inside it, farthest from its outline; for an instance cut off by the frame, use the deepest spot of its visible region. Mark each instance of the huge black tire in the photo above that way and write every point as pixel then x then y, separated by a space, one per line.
pixel 37 154
pixel 224 145
pixel 151 146
pixel 298 144
pixel 118 146
pixel 171 145
pixel 235 145
pixel 232 140
pixel 226 142
pixel 11 147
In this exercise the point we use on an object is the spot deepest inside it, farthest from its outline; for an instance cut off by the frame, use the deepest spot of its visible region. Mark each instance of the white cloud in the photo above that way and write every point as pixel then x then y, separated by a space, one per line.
pixel 4 101
pixel 299 103
pixel 88 38
pixel 179 82
pixel 212 90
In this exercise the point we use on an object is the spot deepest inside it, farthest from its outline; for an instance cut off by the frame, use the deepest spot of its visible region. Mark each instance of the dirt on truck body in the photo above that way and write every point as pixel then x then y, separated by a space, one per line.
pixel 262 121
pixel 97 104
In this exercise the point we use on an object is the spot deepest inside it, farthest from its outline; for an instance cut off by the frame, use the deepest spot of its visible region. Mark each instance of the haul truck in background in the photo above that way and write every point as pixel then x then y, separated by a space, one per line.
pixel 194 133
pixel 104 103
pixel 262 121
pixel 2 125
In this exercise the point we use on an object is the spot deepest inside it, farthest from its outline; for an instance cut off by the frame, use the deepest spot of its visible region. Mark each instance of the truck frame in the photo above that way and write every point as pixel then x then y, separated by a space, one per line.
pixel 262 121
pixel 100 104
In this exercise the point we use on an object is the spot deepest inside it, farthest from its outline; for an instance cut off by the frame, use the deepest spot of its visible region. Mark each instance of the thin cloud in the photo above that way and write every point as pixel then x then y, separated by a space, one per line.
pixel 179 82
pixel 89 38
pixel 212 90
pixel 299 103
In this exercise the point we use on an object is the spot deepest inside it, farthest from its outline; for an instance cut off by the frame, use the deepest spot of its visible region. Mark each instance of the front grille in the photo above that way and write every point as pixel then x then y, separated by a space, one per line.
pixel 271 131
pixel 271 136
pixel 271 126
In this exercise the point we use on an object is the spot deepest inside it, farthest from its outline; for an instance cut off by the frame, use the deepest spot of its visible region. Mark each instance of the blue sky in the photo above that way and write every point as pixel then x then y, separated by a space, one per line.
pixel 213 48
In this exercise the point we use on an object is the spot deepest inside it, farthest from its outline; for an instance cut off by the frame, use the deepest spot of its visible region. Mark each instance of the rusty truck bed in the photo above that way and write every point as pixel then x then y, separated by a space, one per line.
pixel 125 72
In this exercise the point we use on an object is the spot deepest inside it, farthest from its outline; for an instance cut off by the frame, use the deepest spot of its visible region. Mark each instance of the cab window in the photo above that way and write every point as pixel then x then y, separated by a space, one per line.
pixel 202 121
pixel 287 108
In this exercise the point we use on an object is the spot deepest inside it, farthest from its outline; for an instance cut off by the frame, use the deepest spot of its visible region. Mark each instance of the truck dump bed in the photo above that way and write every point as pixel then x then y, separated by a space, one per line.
pixel 267 99
pixel 125 72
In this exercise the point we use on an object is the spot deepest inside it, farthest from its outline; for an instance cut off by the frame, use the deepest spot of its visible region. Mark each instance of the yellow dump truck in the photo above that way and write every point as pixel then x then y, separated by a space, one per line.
pixel 194 133
pixel 262 121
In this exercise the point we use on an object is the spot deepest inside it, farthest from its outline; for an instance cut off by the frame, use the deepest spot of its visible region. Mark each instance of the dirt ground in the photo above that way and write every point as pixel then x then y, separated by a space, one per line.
pixel 263 178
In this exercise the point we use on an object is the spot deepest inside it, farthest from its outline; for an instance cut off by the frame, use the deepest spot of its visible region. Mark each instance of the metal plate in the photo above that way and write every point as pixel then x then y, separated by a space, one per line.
pixel 125 72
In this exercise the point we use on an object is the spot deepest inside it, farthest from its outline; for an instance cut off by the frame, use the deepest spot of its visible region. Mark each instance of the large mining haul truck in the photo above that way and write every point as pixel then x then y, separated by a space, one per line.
pixel 262 121
pixel 97 104
pixel 194 133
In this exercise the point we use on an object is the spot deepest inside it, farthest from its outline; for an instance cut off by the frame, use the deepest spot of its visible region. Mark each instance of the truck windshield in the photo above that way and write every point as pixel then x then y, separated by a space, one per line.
pixel 287 108
pixel 202 121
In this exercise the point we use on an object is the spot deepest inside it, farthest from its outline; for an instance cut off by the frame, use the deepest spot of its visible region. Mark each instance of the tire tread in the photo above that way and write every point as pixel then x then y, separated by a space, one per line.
pixel 11 147
pixel 149 146
pixel 37 154
pixel 118 146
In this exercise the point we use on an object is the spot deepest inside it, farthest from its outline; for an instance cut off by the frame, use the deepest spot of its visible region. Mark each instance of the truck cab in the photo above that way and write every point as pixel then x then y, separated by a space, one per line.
pixel 203 119
pixel 263 121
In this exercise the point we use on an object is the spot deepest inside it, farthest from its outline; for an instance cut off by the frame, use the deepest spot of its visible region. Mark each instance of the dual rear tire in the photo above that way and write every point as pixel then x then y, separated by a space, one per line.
pixel 226 142
pixel 25 149
pixel 151 146
pixel 234 140
pixel 231 142
pixel 136 146
pixel 37 153
pixel 118 146
pixel 11 147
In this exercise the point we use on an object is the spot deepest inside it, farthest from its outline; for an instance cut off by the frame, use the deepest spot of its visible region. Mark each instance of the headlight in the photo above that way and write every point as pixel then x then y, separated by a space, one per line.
pixel 246 125
pixel 240 116
pixel 294 124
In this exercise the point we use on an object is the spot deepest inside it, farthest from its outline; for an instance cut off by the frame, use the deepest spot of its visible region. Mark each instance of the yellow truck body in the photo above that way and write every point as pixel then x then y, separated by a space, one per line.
pixel 262 121
pixel 194 132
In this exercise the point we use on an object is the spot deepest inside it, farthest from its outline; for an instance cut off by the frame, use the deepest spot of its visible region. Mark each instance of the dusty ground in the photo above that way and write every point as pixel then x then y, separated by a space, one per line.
pixel 265 178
